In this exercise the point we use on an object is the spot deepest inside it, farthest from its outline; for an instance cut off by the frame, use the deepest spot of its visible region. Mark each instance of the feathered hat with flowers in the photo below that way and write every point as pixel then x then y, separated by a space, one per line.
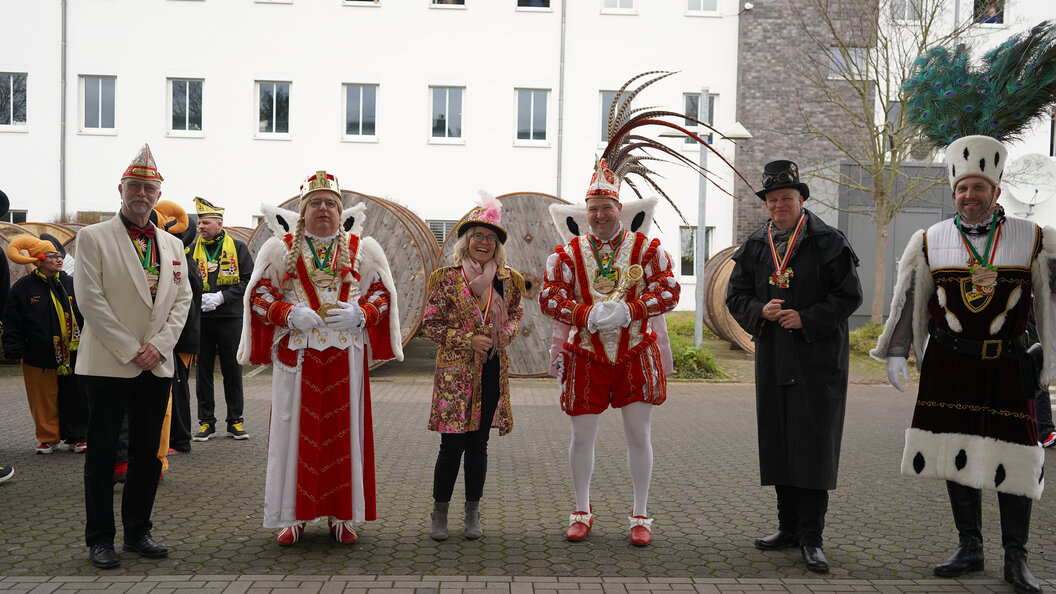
pixel 488 213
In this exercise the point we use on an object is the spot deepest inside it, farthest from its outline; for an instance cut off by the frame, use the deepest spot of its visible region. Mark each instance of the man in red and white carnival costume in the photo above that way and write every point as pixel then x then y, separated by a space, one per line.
pixel 609 349
pixel 319 296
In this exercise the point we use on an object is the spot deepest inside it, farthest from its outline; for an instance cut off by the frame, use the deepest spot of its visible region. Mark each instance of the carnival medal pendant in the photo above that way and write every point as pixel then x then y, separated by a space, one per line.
pixel 322 278
pixel 212 266
pixel 781 280
pixel 984 278
pixel 604 284
pixel 141 244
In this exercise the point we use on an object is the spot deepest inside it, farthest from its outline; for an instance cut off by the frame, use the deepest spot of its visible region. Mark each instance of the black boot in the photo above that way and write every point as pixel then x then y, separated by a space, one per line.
pixel 967 506
pixel 1015 525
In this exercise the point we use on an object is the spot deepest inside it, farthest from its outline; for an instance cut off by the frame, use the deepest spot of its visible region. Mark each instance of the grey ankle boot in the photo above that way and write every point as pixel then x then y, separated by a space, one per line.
pixel 438 529
pixel 473 529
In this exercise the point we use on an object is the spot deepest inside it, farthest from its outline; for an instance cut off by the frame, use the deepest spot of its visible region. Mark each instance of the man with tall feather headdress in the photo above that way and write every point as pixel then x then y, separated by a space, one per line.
pixel 607 291
pixel 320 302
pixel 964 291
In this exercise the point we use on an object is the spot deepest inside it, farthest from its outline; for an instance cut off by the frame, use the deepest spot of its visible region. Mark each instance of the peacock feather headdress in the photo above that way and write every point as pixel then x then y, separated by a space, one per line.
pixel 948 98
pixel 629 153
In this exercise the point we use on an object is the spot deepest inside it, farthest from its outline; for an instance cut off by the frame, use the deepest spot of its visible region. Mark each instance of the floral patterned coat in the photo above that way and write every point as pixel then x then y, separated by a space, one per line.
pixel 450 320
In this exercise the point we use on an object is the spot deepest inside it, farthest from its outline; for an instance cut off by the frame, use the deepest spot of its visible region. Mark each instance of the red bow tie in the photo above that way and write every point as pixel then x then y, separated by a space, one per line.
pixel 137 232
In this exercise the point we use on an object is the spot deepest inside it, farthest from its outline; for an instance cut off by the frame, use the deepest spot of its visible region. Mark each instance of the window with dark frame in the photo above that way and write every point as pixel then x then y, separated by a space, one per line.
pixel 533 3
pixel 12 99
pixel 274 109
pixel 607 98
pixel 906 10
pixel 186 105
pixel 989 12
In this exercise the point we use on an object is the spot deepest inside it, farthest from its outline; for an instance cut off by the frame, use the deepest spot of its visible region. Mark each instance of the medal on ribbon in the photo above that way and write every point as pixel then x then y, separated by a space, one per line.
pixel 981 268
pixel 606 280
pixel 782 274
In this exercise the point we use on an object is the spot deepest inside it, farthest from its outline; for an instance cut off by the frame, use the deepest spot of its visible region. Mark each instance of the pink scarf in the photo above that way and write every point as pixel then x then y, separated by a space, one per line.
pixel 480 283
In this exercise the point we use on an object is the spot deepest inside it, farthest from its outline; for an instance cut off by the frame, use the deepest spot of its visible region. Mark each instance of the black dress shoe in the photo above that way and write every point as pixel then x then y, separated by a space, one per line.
pixel 1018 574
pixel 103 556
pixel 146 547
pixel 777 541
pixel 815 559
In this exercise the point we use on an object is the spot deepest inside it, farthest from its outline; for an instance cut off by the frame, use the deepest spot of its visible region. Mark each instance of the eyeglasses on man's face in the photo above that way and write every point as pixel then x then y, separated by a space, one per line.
pixel 784 177
pixel 323 203
pixel 481 237
pixel 135 187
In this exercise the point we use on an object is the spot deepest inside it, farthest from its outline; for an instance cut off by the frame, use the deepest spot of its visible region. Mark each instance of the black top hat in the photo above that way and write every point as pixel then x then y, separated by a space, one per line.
pixel 55 242
pixel 5 204
pixel 778 175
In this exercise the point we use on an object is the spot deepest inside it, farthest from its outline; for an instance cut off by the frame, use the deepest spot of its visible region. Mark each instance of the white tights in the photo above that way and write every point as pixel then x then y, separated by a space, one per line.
pixel 636 422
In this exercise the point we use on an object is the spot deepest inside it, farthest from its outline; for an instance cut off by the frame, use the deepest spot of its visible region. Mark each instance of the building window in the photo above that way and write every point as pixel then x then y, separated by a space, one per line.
pixel 852 66
pixel 447 112
pixel 441 228
pixel 703 5
pixel 692 102
pixel 607 97
pixel 688 248
pixel 618 5
pixel 186 105
pixel 12 99
pixel 360 109
pixel 533 3
pixel 15 216
pixel 905 10
pixel 990 12
pixel 531 114
pixel 443 2
pixel 98 102
pixel 274 109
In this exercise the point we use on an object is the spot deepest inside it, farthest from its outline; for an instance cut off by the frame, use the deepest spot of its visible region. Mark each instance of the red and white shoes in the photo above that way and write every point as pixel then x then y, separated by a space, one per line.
pixel 45 448
pixel 290 534
pixel 579 525
pixel 641 530
pixel 342 531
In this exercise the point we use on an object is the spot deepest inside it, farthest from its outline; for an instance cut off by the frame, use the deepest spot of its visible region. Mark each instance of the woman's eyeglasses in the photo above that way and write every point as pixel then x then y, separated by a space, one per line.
pixel 481 237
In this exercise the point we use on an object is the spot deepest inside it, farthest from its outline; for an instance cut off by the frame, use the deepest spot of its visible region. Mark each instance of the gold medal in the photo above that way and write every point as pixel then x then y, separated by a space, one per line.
pixel 604 285
pixel 325 308
pixel 212 266
pixel 322 278
pixel 984 277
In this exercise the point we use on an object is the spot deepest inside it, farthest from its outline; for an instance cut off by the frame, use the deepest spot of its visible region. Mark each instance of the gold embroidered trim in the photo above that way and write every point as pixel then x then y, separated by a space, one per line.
pixel 975 408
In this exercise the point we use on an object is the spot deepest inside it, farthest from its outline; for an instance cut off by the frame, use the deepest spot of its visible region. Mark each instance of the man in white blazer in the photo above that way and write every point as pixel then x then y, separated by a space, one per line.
pixel 134 281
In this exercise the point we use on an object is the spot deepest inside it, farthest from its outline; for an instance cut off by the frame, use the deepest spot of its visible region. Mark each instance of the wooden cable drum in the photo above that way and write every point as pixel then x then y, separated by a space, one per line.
pixel 8 233
pixel 717 316
pixel 408 246
pixel 531 239
pixel 60 232
pixel 238 234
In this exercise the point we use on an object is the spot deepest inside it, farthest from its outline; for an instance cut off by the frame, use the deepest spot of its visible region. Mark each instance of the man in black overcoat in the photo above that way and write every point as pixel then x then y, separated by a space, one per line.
pixel 795 305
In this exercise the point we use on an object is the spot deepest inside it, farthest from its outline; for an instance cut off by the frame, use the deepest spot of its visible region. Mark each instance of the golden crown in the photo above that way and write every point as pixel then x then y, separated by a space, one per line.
pixel 320 180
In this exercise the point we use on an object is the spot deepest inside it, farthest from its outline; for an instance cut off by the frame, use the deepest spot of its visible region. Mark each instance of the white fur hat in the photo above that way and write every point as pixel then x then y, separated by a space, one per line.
pixel 981 156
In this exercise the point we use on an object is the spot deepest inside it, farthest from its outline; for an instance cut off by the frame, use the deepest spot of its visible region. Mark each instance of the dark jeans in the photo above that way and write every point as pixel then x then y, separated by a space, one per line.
pixel 1044 406
pixel 802 512
pixel 180 422
pixel 219 336
pixel 73 408
pixel 144 398
pixel 474 444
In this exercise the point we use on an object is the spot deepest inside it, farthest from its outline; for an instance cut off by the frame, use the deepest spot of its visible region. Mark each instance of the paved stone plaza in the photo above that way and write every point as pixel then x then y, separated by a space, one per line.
pixel 884 532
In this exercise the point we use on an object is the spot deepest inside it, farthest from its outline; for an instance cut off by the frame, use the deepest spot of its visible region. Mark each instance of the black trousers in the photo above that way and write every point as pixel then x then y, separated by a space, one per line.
pixel 220 336
pixel 802 512
pixel 73 407
pixel 144 399
pixel 1043 403
pixel 473 444
pixel 180 421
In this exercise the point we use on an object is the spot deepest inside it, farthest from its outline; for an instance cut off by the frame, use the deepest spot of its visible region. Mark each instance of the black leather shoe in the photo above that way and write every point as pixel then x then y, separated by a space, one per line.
pixel 1018 575
pixel 103 556
pixel 777 541
pixel 146 547
pixel 815 559
pixel 967 558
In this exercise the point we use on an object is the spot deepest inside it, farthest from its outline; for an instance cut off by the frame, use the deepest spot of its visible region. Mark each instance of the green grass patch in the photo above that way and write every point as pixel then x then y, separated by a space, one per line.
pixel 863 338
pixel 692 362
pixel 680 323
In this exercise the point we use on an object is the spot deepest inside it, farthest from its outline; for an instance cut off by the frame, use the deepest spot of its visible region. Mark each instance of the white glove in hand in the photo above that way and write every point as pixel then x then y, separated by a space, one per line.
pixel 211 301
pixel 598 312
pixel 559 367
pixel 304 318
pixel 897 370
pixel 349 317
pixel 620 316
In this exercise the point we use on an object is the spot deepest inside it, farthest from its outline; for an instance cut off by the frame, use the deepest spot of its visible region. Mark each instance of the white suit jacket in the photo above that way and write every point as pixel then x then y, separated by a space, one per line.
pixel 119 315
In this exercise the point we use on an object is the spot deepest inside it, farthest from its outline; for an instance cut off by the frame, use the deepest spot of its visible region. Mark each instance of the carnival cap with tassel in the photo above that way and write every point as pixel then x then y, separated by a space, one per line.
pixel 206 209
pixel 973 112
pixel 625 155
pixel 488 213
pixel 37 249
pixel 319 181
pixel 171 217
pixel 143 166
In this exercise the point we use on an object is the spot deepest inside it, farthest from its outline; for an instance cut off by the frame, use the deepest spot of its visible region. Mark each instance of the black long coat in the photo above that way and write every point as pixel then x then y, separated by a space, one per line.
pixel 30 321
pixel 800 375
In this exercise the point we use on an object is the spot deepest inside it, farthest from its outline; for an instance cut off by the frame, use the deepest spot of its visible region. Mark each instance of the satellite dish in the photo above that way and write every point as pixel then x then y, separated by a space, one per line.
pixel 1030 179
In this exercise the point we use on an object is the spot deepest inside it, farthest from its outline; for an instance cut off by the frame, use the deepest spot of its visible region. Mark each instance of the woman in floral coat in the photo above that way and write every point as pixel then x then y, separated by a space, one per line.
pixel 473 312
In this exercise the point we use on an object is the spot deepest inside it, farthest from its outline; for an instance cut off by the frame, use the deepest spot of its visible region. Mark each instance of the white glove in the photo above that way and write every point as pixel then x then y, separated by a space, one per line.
pixel 897 370
pixel 211 301
pixel 559 367
pixel 598 312
pixel 620 316
pixel 304 318
pixel 349 317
